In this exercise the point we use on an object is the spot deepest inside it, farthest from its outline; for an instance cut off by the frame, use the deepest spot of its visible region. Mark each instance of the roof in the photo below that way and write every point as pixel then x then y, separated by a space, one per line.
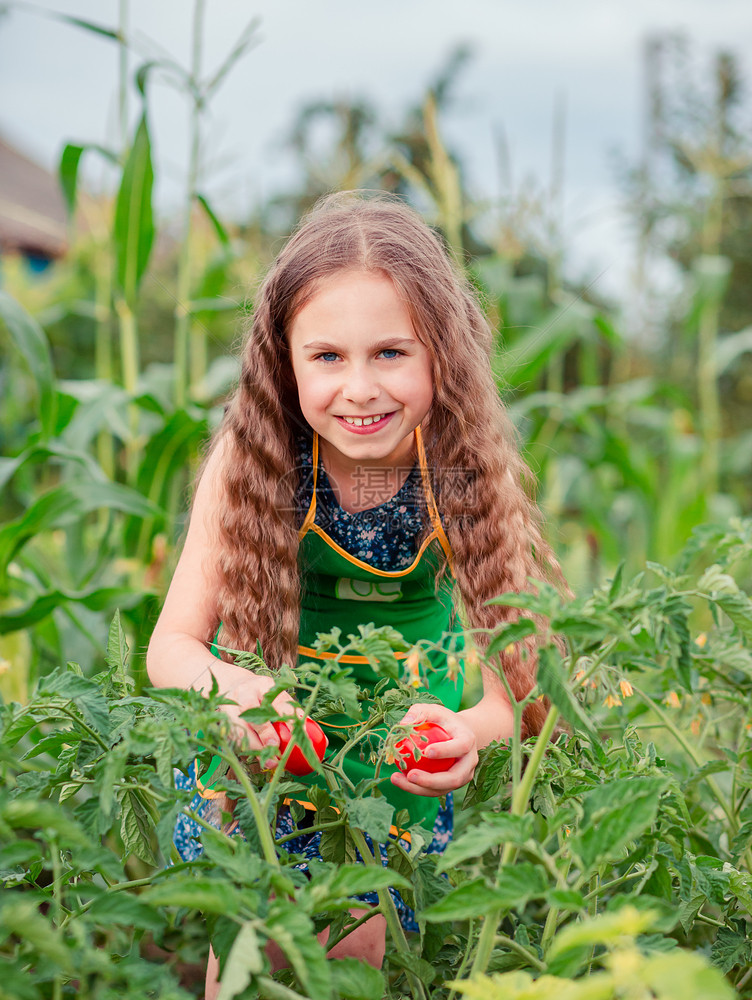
pixel 32 211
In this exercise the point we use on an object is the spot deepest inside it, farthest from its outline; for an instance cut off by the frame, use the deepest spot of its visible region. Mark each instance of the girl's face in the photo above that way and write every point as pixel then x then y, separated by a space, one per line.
pixel 355 354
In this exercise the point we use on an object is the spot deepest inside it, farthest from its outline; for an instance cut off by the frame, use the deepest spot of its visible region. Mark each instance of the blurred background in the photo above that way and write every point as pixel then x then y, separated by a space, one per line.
pixel 590 165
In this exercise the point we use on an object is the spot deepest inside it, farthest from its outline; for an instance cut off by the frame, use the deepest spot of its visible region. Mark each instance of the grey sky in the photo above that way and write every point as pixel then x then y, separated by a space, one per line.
pixel 58 84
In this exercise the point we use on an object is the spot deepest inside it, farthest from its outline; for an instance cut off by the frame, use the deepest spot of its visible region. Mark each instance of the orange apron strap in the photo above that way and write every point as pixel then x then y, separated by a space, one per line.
pixel 311 515
pixel 433 511
pixel 309 806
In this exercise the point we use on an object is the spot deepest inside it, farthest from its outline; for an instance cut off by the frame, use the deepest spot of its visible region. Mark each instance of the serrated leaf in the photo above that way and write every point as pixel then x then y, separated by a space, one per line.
pixel 126 909
pixel 85 695
pixel 553 684
pixel 136 828
pixel 353 880
pixel 613 815
pixel 494 829
pixel 204 894
pixel 509 634
pixel 738 607
pixel 356 980
pixel 117 646
pixel 374 815
pixel 292 931
pixel 516 885
pixel 244 961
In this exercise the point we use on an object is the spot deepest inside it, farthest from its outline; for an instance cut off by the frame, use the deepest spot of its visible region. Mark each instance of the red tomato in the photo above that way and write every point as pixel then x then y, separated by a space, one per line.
pixel 423 736
pixel 297 763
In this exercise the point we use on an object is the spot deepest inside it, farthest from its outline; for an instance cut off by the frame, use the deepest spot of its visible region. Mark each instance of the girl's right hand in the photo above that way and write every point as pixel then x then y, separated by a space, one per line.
pixel 247 690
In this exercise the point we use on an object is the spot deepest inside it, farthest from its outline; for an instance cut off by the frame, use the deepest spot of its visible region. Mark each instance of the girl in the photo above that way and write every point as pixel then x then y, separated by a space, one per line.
pixel 365 471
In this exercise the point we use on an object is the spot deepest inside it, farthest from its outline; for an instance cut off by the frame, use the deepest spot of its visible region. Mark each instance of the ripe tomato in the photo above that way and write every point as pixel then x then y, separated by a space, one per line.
pixel 297 763
pixel 423 736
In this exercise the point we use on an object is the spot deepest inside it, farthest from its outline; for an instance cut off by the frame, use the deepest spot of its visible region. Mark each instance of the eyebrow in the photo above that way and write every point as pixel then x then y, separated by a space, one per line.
pixel 321 345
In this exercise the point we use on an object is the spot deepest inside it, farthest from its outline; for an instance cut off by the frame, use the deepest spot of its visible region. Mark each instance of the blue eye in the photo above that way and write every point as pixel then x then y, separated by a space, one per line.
pixel 326 356
pixel 391 350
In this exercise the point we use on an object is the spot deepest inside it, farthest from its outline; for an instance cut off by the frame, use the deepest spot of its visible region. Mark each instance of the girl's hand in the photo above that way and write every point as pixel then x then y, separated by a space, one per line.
pixel 463 745
pixel 247 690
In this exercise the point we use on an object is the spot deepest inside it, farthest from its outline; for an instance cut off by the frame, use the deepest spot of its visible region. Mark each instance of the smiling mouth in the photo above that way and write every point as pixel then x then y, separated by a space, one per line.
pixel 364 421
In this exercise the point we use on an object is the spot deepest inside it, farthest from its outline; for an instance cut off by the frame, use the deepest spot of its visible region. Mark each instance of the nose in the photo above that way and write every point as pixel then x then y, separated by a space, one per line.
pixel 360 386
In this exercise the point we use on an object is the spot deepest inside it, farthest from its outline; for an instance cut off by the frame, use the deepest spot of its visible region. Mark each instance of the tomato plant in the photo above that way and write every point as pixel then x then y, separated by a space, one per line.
pixel 297 762
pixel 423 736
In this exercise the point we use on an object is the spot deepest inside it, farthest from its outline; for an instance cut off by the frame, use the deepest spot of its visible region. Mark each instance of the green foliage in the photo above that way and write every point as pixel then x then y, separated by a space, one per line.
pixel 616 863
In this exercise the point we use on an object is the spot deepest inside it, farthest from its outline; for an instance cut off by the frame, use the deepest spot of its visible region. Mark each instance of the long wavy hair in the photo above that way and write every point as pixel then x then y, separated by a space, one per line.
pixel 483 487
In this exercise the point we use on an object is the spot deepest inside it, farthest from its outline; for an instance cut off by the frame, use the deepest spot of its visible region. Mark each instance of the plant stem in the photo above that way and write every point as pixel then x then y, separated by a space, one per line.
pixel 262 823
pixel 387 907
pixel 57 909
pixel 270 989
pixel 521 950
pixel 519 802
pixel 183 324
pixel 689 750
pixel 80 722
pixel 465 957
pixel 314 828
pixel 352 927
pixel 613 883
pixel 129 356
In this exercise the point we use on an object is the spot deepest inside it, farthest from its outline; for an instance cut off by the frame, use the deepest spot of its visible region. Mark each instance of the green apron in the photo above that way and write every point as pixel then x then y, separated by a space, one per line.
pixel 340 590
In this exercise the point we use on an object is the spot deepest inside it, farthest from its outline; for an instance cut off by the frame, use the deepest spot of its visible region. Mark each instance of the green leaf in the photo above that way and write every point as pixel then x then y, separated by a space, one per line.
pixel 136 828
pixel 553 684
pixel 410 961
pixel 69 162
pixel 738 607
pixel 205 894
pixel 31 814
pixel 292 930
pixel 606 928
pixel 374 815
pixel 356 980
pixel 244 961
pixel 117 646
pixel 84 693
pixel 38 454
pixel 80 22
pixel 613 815
pixel 126 909
pixel 20 916
pixel 566 899
pixel 134 221
pixel 64 505
pixel 219 229
pixel 517 884
pixel 352 880
pixel 493 830
pixel 31 342
pixel 509 634
pixel 337 845
pixel 96 599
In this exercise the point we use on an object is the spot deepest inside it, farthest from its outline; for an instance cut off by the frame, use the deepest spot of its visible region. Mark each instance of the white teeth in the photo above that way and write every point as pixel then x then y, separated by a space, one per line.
pixel 364 421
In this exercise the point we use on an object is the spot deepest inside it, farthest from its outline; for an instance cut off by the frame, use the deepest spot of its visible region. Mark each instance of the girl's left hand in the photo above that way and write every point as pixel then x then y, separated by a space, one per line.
pixel 463 745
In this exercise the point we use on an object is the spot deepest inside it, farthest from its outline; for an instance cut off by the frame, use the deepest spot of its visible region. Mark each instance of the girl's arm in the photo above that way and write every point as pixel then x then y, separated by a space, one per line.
pixel 177 655
pixel 471 729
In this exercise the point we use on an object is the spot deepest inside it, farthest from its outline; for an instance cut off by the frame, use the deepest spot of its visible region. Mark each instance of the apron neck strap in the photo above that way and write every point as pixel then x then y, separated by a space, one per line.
pixel 433 512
